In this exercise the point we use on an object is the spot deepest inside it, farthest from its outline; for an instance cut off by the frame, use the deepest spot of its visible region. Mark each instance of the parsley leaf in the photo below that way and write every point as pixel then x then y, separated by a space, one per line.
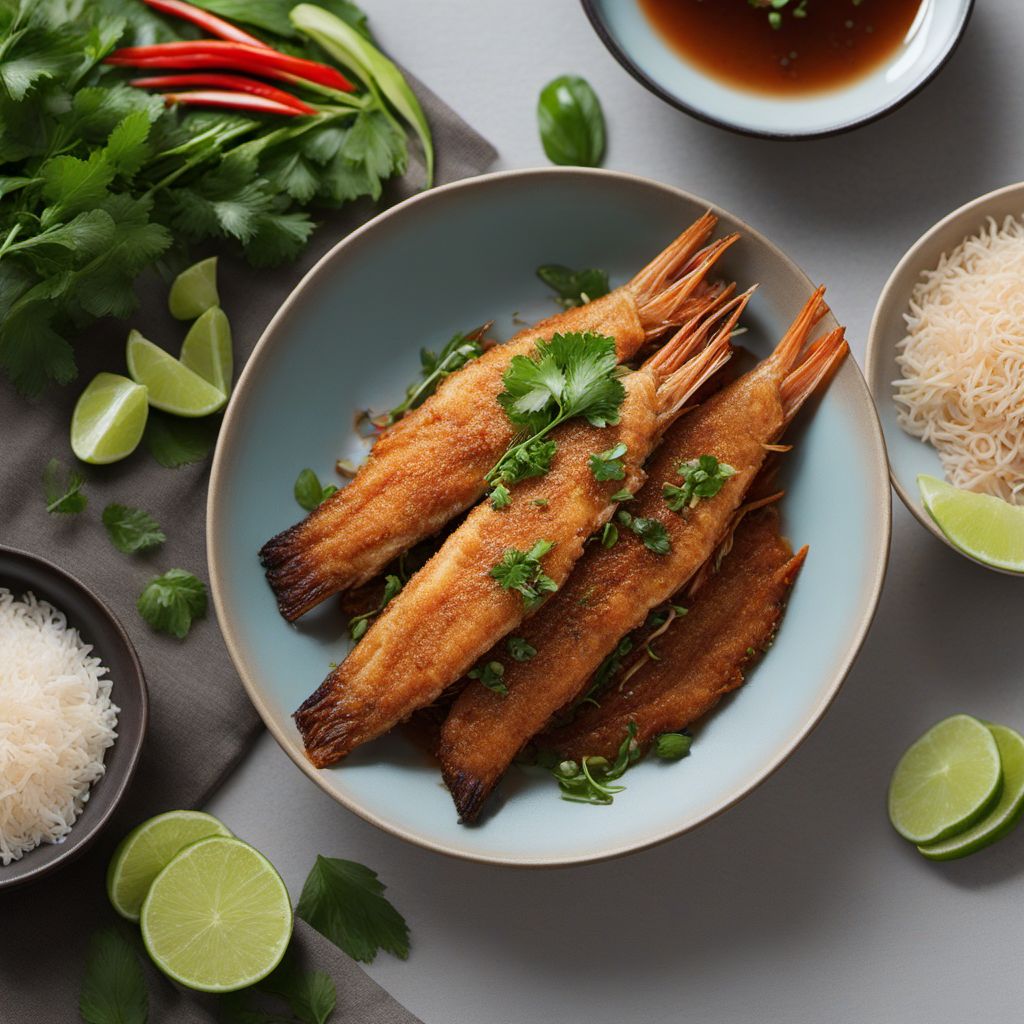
pixel 490 675
pixel 114 987
pixel 608 465
pixel 574 287
pixel 673 746
pixel 588 781
pixel 175 441
pixel 650 531
pixel 520 649
pixel 343 901
pixel 521 571
pixel 308 491
pixel 63 489
pixel 359 624
pixel 131 529
pixel 170 602
pixel 702 478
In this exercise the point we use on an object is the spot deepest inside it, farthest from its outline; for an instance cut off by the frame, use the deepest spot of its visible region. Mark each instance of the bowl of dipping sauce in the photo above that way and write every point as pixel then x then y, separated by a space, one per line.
pixel 796 69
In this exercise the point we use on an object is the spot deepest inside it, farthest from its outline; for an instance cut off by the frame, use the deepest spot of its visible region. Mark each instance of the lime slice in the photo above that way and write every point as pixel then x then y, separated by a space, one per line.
pixel 148 849
pixel 207 349
pixel 173 387
pixel 946 781
pixel 194 290
pixel 986 528
pixel 1004 816
pixel 109 418
pixel 218 917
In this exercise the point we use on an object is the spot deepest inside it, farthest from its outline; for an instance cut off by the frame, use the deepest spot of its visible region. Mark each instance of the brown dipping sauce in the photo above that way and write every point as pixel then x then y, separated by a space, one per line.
pixel 835 42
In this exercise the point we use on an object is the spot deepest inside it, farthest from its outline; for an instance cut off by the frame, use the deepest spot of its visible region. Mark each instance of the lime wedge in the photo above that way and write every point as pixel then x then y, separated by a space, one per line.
pixel 148 849
pixel 986 528
pixel 194 290
pixel 1004 816
pixel 946 781
pixel 218 917
pixel 109 418
pixel 172 386
pixel 207 349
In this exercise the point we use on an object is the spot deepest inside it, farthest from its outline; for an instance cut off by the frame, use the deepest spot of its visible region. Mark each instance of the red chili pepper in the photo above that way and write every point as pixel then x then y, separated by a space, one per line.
pixel 231 101
pixel 236 83
pixel 205 20
pixel 220 53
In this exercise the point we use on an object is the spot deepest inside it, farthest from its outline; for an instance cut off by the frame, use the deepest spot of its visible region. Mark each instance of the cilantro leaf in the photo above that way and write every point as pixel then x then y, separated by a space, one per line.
pixel 175 441
pixel 608 465
pixel 650 531
pixel 308 491
pixel 500 497
pixel 114 987
pixel 343 901
pixel 520 649
pixel 63 489
pixel 521 571
pixel 170 602
pixel 588 781
pixel 703 477
pixel 131 530
pixel 574 287
pixel 673 746
pixel 490 675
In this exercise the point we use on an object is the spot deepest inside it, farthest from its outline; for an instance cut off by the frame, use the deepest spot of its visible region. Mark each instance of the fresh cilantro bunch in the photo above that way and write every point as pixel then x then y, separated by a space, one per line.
pixel 521 571
pixel 703 477
pixel 99 181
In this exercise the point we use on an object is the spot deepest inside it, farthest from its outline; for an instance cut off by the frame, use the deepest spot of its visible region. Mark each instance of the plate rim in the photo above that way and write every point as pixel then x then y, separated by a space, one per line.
pixel 870 424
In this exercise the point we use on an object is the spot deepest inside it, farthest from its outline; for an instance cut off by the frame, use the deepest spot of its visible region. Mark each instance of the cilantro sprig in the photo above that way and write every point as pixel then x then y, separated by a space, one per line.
pixel 703 477
pixel 522 571
pixel 172 601
pixel 608 465
pixel 574 287
pixel 570 375
pixel 62 488
pixel 589 781
pixel 131 529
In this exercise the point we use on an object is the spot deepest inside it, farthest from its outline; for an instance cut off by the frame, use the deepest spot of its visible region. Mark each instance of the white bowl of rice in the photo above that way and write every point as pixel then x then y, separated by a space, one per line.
pixel 73 709
pixel 945 356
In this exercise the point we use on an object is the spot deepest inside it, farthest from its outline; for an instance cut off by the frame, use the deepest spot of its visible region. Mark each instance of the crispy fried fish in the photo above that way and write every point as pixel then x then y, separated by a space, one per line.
pixel 702 656
pixel 430 466
pixel 612 589
pixel 455 607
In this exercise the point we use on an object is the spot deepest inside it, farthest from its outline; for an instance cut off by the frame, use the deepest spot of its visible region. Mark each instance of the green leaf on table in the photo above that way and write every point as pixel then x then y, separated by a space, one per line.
pixel 574 287
pixel 170 602
pixel 175 441
pixel 63 489
pixel 310 995
pixel 131 530
pixel 344 901
pixel 114 987
pixel 571 122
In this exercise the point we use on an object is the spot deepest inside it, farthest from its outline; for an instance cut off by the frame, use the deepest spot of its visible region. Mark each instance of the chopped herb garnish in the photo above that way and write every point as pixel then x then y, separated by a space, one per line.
pixel 500 497
pixel 131 530
pixel 171 602
pixel 490 675
pixel 702 478
pixel 622 495
pixel 63 489
pixel 572 375
pixel 521 571
pixel 606 671
pixel 609 535
pixel 359 624
pixel 650 531
pixel 540 502
pixel 673 746
pixel 679 609
pixel 308 491
pixel 608 465
pixel 574 287
pixel 520 649
pixel 588 781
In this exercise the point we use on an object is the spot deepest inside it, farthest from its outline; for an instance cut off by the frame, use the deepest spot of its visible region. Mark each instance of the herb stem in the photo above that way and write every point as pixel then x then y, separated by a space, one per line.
pixel 9 240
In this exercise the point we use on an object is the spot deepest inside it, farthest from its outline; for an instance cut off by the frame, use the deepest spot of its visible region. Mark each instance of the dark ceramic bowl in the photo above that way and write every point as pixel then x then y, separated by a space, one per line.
pixel 21 572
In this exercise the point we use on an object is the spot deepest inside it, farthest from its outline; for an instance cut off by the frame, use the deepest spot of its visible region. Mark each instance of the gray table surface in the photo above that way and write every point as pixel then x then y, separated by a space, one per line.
pixel 800 904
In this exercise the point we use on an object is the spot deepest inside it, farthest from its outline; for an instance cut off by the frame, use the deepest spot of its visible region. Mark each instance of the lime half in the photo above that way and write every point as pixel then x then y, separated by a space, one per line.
pixel 986 528
pixel 109 418
pixel 218 917
pixel 148 849
pixel 194 290
pixel 207 349
pixel 172 386
pixel 946 781
pixel 1004 816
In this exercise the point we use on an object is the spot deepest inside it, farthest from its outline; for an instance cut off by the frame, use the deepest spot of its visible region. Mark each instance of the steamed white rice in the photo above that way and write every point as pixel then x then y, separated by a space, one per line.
pixel 56 722
pixel 962 362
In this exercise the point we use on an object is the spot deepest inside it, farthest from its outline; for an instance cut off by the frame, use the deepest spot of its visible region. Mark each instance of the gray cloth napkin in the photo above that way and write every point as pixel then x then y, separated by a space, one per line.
pixel 201 722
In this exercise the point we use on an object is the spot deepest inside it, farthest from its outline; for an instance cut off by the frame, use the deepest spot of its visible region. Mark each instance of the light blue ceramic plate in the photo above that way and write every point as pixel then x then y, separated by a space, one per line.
pixel 909 457
pixel 638 46
pixel 348 338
